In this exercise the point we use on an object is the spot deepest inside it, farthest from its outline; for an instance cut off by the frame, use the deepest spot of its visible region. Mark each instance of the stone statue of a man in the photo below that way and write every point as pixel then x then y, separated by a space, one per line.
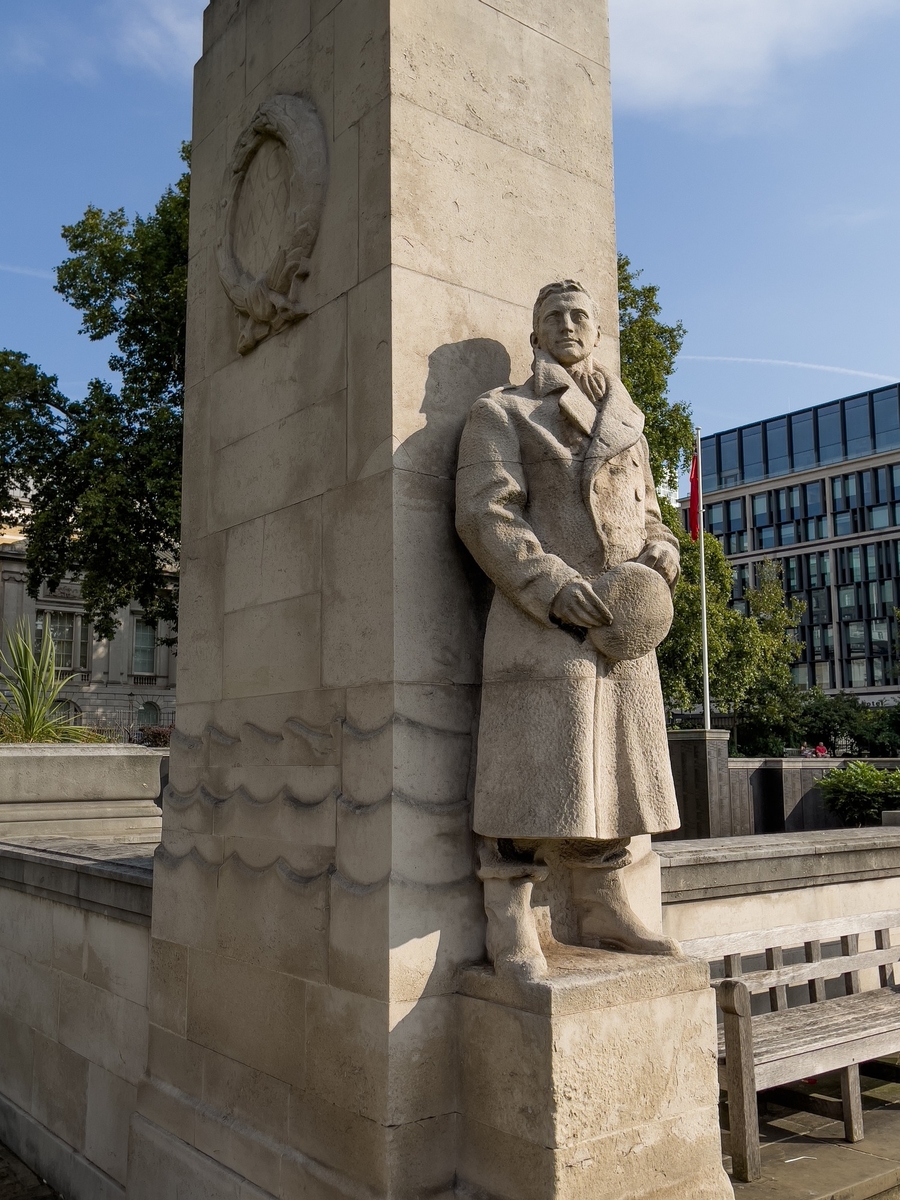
pixel 553 490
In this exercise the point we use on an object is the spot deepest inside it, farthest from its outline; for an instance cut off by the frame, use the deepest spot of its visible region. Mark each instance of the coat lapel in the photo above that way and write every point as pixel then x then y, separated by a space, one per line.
pixel 617 424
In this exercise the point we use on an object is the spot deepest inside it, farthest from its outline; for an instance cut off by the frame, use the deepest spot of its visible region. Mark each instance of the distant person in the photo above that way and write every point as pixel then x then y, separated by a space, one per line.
pixel 821 750
pixel 806 751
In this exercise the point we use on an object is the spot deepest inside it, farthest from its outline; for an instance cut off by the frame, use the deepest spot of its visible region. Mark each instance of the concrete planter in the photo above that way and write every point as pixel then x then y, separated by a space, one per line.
pixel 77 790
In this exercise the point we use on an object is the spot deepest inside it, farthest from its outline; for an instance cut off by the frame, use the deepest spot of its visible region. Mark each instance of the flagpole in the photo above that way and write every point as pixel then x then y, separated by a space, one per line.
pixel 707 721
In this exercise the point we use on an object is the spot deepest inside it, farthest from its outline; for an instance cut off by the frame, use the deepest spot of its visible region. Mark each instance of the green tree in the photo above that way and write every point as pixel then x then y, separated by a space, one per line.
pixel 96 483
pixel 749 656
pixel 648 349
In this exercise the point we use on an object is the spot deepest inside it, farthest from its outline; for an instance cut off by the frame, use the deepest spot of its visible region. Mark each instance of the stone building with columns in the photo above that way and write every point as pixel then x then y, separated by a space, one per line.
pixel 126 682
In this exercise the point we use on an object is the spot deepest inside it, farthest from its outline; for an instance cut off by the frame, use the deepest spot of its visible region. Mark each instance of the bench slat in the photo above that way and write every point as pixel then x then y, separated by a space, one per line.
pixel 757 941
pixel 828 968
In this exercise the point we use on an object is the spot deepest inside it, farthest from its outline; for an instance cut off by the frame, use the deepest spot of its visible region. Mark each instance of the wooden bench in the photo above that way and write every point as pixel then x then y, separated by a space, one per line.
pixel 812 1034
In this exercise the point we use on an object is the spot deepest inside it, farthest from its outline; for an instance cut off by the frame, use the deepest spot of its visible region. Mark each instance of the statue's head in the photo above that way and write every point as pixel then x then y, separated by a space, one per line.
pixel 566 322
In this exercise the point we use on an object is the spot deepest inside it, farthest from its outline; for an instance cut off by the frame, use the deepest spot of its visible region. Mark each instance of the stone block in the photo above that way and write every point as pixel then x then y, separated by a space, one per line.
pixel 175 1062
pixel 357 597
pixel 300 367
pixel 26 925
pixel 361 59
pixel 274 917
pixel 184 907
pixel 581 31
pixel 69 939
pixel 455 55
pixel 456 189
pixel 405 1161
pixel 370 443
pixel 103 1028
pixel 359 915
pixel 582 1080
pixel 437 608
pixel 29 992
pixel 116 957
pixel 200 656
pixel 17 1057
pixel 457 344
pixel 432 932
pixel 293 459
pixel 161 1164
pixel 219 76
pixel 391 1063
pixel 334 267
pixel 272 647
pixel 110 1103
pixel 274 558
pixel 374 190
pixel 167 996
pixel 248 1013
pixel 272 31
pixel 59 1096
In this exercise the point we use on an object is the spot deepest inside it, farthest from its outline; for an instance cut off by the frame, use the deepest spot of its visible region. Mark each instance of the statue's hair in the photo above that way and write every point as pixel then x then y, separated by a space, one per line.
pixel 560 289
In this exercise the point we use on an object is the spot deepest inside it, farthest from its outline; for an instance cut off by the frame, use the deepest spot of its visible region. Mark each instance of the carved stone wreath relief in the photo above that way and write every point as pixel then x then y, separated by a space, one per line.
pixel 275 192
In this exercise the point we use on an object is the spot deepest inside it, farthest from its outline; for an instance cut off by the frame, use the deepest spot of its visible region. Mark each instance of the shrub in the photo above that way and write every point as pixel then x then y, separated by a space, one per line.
pixel 858 792
pixel 33 712
pixel 156 736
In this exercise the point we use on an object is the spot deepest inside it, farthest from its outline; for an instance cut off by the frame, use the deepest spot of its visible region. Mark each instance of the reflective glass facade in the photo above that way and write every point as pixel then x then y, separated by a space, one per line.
pixel 830 433
pixel 819 492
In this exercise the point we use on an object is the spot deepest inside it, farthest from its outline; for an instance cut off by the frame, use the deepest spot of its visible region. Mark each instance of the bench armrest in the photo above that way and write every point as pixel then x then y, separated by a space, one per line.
pixel 733 996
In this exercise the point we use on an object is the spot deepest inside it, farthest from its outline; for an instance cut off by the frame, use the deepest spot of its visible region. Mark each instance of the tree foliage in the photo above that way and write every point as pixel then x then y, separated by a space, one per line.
pixel 96 482
pixel 749 656
pixel 648 349
pixel 860 791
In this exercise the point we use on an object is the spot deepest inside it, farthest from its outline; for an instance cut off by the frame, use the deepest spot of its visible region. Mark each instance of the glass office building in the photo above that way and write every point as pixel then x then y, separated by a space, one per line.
pixel 819 490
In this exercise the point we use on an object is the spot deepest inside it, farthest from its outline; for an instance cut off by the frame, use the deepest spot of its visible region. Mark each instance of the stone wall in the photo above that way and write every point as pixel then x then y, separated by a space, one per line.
pixel 74 950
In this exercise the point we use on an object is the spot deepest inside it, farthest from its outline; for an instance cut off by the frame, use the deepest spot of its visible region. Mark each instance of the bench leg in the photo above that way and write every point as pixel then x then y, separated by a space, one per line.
pixel 743 1119
pixel 851 1099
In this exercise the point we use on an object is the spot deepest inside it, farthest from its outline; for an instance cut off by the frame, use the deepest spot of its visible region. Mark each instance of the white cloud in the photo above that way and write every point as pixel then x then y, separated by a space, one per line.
pixel 162 35
pixel 690 53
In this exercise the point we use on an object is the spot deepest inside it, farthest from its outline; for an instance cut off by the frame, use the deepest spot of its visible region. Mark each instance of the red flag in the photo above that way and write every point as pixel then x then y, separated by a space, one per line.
pixel 694 506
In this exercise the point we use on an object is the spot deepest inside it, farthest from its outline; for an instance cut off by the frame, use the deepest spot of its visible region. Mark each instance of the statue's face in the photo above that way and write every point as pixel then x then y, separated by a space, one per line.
pixel 567 328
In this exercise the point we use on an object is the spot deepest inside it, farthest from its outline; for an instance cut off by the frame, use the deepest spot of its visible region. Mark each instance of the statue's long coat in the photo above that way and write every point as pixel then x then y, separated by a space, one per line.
pixel 552 489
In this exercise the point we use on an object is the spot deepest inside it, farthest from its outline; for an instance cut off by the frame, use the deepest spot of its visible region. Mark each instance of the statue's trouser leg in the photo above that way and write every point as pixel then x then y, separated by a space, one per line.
pixel 512 938
pixel 605 915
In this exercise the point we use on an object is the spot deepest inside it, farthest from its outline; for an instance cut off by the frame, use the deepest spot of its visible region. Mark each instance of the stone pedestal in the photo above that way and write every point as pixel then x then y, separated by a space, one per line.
pixel 407 174
pixel 700 768
pixel 599 1081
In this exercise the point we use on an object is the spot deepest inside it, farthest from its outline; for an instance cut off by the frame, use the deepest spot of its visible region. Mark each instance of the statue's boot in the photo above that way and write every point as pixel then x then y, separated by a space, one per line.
pixel 512 939
pixel 606 917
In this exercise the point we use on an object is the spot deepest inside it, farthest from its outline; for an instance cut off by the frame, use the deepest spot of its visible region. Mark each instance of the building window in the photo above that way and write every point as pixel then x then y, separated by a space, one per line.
pixel 858 673
pixel 802 441
pixel 828 419
pixel 800 674
pixel 856 638
pixel 823 675
pixel 148 714
pixel 859 433
pixel 779 462
pixel 752 447
pixel 887 419
pixel 144 659
pixel 878 631
pixel 71 638
pixel 715 521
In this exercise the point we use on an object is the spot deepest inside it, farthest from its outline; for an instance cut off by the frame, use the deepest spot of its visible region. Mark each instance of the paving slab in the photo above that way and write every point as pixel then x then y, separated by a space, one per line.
pixel 17 1182
pixel 805 1157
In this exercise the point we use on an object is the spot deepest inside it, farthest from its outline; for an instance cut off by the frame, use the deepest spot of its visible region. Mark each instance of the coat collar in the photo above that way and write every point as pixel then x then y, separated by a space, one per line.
pixel 617 425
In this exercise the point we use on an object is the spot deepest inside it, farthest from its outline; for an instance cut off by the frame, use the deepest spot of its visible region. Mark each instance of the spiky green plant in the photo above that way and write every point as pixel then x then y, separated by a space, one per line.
pixel 33 711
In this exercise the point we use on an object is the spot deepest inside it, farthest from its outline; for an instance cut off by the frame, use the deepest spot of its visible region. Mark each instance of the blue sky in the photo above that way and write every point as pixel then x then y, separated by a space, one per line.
pixel 757 176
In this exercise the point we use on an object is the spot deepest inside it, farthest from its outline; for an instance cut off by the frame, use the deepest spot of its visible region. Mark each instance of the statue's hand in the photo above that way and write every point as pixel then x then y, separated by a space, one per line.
pixel 578 604
pixel 661 557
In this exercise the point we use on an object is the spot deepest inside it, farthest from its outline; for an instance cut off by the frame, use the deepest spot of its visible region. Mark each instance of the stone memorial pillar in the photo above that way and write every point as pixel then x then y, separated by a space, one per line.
pixel 379 189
